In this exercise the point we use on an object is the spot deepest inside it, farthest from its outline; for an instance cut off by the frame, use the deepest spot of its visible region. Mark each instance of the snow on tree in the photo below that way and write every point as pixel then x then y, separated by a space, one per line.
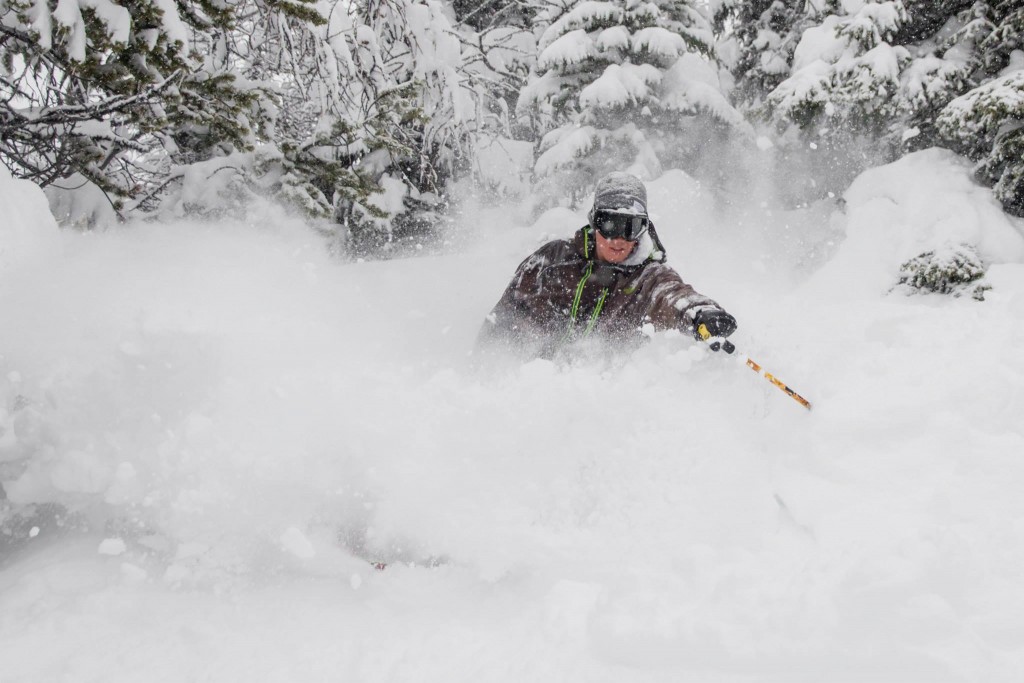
pixel 622 84
pixel 868 80
pixel 846 72
pixel 378 108
pixel 987 123
pixel 953 269
pixel 499 49
pixel 374 108
pixel 91 89
pixel 865 78
pixel 488 14
pixel 766 33
pixel 909 59
pixel 997 29
pixel 354 112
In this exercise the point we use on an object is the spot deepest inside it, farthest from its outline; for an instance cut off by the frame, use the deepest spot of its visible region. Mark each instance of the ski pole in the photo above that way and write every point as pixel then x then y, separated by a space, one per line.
pixel 716 342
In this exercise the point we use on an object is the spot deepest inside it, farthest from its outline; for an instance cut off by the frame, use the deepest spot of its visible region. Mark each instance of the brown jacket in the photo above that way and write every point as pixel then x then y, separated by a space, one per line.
pixel 561 294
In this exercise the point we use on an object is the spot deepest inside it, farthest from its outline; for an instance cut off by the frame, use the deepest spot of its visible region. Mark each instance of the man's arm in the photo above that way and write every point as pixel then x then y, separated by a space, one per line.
pixel 520 314
pixel 673 304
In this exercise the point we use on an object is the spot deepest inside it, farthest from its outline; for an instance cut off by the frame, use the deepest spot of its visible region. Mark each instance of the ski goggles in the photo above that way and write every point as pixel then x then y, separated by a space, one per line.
pixel 620 226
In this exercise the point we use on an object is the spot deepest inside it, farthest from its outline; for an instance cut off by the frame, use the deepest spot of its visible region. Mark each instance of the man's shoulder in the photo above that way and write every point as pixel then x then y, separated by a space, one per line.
pixel 659 270
pixel 557 245
pixel 658 266
pixel 558 250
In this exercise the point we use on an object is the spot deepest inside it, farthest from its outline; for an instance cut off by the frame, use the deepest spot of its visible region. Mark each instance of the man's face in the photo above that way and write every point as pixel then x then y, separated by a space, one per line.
pixel 613 250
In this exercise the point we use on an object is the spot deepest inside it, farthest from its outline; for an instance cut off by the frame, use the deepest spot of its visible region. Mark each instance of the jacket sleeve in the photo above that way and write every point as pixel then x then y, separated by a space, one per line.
pixel 671 303
pixel 521 316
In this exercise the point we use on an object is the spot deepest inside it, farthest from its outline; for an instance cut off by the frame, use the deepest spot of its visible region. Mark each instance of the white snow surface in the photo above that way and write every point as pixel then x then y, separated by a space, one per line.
pixel 571 48
pixel 27 229
pixel 256 423
pixel 619 86
pixel 819 43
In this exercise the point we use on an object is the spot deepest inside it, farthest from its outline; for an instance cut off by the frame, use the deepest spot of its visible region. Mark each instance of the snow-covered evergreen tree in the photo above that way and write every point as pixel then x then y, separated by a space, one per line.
pixel 92 88
pixel 846 72
pixel 382 108
pixel 623 84
pixel 954 269
pixel 354 112
pixel 373 112
pixel 864 82
pixel 767 33
pixel 482 15
pixel 987 123
pixel 500 49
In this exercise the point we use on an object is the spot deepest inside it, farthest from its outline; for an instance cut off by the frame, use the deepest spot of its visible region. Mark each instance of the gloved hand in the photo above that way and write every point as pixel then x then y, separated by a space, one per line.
pixel 714 322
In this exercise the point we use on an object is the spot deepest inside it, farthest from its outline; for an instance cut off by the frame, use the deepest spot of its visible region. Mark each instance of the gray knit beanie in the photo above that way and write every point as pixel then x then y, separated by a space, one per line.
pixel 622 192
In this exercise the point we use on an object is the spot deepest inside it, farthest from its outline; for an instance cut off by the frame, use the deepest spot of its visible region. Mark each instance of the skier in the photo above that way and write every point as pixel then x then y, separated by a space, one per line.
pixel 609 281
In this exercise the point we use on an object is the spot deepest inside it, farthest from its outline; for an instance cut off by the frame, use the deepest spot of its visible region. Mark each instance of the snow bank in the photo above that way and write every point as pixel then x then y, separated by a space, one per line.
pixel 923 202
pixel 28 229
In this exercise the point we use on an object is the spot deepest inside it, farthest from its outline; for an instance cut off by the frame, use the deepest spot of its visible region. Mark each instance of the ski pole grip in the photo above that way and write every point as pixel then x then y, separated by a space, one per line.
pixel 715 343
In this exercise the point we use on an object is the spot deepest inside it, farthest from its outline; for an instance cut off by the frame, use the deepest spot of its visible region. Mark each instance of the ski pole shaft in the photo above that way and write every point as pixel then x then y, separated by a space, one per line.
pixel 716 342
pixel 777 382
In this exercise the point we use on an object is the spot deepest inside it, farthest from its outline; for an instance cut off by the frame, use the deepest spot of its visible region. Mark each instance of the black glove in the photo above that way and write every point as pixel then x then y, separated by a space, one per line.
pixel 718 323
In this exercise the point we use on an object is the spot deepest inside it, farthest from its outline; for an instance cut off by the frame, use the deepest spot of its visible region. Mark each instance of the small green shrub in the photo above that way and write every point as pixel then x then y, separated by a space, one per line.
pixel 954 269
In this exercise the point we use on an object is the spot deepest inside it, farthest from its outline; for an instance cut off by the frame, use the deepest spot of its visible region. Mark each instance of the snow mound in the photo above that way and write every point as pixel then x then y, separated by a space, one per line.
pixel 923 202
pixel 28 229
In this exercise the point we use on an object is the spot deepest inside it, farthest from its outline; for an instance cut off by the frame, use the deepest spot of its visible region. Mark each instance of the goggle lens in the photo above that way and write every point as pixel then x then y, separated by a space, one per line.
pixel 620 225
